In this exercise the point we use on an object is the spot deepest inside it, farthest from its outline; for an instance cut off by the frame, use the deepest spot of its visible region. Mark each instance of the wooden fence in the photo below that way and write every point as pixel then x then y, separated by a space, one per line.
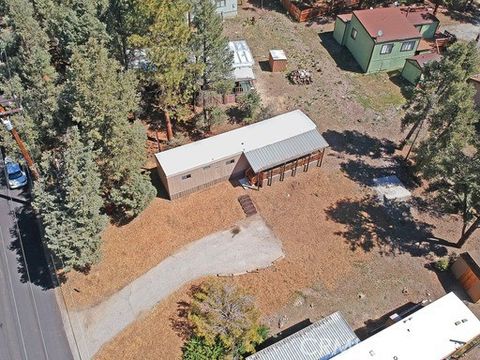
pixel 303 12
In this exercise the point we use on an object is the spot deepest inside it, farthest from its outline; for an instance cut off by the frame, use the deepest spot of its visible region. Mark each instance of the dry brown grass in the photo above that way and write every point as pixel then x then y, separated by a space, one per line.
pixel 162 229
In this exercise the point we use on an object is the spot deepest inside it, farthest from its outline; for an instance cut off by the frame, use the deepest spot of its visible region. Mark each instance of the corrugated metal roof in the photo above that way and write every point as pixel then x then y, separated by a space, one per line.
pixel 319 341
pixel 200 153
pixel 242 56
pixel 283 151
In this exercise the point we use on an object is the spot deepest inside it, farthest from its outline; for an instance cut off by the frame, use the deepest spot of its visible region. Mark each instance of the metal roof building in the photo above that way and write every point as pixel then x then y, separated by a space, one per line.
pixel 431 333
pixel 290 139
pixel 320 341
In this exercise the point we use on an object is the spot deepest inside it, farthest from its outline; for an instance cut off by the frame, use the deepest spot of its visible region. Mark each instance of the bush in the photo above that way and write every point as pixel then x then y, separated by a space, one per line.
pixel 442 264
pixel 250 104
pixel 196 348
pixel 217 116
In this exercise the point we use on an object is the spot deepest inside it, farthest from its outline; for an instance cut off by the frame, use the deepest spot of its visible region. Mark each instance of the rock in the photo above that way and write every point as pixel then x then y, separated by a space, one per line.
pixel 405 291
pixel 311 305
pixel 361 296
pixel 282 321
pixel 298 301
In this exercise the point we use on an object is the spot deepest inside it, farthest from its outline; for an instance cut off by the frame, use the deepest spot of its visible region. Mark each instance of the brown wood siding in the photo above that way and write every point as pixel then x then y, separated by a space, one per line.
pixel 206 175
pixel 467 276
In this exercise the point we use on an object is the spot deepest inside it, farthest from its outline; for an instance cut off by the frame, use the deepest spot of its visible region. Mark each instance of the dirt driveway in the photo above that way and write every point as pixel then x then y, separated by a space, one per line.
pixel 248 246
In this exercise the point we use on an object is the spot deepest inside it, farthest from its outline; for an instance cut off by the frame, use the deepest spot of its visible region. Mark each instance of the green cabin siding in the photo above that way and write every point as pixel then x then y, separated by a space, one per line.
pixel 339 31
pixel 411 72
pixel 428 30
pixel 393 61
pixel 362 46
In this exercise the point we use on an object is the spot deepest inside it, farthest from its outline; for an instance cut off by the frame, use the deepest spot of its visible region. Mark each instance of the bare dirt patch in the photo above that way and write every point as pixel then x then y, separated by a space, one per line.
pixel 165 226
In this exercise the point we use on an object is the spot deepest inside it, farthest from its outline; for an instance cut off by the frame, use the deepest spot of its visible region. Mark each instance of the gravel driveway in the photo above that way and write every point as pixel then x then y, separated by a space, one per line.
pixel 248 247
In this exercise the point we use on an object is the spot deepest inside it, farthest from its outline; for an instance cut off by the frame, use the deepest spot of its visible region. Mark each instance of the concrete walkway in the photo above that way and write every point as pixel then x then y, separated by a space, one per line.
pixel 222 253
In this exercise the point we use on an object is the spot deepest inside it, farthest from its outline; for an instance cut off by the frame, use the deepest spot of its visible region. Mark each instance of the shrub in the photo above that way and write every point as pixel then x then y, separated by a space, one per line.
pixel 442 264
pixel 196 348
pixel 250 104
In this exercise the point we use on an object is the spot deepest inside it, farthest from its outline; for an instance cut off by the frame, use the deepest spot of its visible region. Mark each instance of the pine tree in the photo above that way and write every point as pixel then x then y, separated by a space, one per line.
pixel 98 98
pixel 69 24
pixel 438 103
pixel 166 37
pixel 210 48
pixel 69 202
pixel 28 75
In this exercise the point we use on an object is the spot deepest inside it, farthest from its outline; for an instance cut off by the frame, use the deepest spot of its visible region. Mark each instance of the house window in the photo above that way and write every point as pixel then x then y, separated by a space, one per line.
pixel 407 46
pixel 386 49
pixel 221 3
pixel 354 33
pixel 230 162
pixel 185 177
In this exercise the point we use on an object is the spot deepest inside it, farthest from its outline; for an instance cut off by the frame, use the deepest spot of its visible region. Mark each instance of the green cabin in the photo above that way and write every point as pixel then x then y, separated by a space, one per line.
pixel 382 39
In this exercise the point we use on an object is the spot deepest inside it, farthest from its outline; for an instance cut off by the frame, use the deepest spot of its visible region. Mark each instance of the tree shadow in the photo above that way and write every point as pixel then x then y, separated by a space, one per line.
pixel 33 265
pixel 472 15
pixel 353 142
pixel 179 322
pixel 284 334
pixel 340 54
pixel 389 228
pixel 363 173
pixel 155 179
pixel 406 88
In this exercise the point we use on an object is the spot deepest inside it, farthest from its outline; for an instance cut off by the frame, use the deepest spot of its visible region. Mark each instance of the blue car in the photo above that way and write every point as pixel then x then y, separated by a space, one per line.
pixel 15 175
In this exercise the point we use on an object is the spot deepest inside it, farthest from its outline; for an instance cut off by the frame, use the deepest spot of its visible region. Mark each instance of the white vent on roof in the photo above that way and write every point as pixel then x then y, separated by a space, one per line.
pixel 380 33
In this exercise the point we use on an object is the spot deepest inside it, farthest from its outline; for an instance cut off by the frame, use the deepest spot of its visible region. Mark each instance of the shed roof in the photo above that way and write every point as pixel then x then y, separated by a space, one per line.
pixel 187 157
pixel 423 59
pixel 386 24
pixel 345 17
pixel 283 151
pixel 320 341
pixel 431 333
pixel 420 16
pixel 243 73
pixel 242 56
pixel 278 55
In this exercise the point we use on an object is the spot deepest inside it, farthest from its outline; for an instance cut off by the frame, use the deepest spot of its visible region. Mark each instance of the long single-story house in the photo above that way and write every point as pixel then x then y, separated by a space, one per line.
pixel 320 341
pixel 434 332
pixel 263 152
pixel 413 68
pixel 382 39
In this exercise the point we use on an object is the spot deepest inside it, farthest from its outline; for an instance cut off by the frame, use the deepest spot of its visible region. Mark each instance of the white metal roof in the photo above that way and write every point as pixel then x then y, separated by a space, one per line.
pixel 320 341
pixel 278 55
pixel 431 333
pixel 187 157
pixel 242 56
pixel 243 73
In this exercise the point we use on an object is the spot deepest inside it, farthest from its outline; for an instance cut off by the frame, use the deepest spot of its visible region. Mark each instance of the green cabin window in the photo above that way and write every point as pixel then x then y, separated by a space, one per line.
pixel 408 46
pixel 386 49
pixel 354 33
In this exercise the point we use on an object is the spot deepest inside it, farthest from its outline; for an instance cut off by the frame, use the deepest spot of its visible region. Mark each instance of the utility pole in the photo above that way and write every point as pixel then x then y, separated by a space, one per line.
pixel 5 117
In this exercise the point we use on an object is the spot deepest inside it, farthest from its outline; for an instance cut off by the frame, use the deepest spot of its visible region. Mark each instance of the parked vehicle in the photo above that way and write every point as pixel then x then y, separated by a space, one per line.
pixel 16 176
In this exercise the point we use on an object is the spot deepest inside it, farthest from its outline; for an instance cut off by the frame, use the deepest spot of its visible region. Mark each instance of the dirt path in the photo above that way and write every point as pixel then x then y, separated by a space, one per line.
pixel 249 246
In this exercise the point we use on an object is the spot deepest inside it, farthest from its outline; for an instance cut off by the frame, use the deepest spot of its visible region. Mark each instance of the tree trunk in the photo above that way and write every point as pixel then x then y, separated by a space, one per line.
pixel 409 135
pixel 168 125
pixel 466 235
pixel 157 130
pixel 414 140
pixel 435 9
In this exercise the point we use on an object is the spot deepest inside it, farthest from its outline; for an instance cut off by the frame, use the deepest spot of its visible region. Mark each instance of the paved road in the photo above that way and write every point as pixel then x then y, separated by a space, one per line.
pixel 223 253
pixel 31 326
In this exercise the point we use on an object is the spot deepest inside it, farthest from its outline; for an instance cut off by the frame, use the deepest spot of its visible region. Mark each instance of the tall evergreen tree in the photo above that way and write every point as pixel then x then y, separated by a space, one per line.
pixel 210 48
pixel 28 74
pixel 98 98
pixel 166 38
pixel 68 201
pixel 438 99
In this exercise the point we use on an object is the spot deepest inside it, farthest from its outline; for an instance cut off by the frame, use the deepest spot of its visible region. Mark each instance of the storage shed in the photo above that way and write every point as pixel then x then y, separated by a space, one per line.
pixel 264 152
pixel 242 66
pixel 467 271
pixel 413 68
pixel 277 60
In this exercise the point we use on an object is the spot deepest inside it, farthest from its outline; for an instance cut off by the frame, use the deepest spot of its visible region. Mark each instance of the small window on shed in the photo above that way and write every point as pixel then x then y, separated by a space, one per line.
pixel 185 177
pixel 407 46
pixel 386 49
pixel 206 167
pixel 354 33
pixel 230 161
